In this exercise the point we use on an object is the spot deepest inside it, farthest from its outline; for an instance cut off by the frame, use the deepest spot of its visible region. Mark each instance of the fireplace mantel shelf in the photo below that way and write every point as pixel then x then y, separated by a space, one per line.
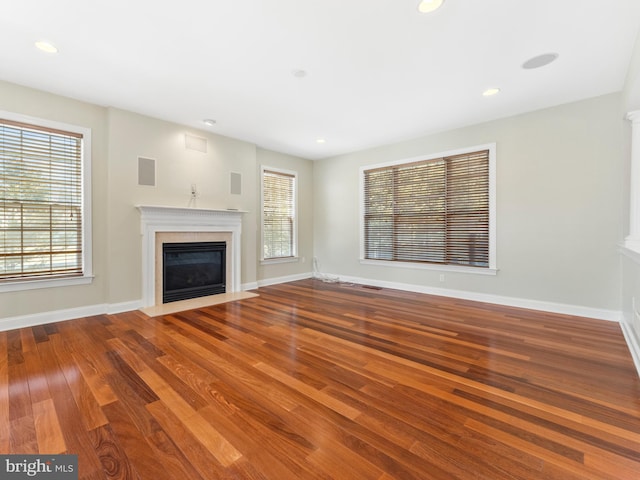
pixel 196 211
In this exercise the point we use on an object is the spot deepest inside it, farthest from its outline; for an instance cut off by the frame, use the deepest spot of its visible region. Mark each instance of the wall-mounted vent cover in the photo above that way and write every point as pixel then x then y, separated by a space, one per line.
pixel 191 142
pixel 235 183
pixel 146 171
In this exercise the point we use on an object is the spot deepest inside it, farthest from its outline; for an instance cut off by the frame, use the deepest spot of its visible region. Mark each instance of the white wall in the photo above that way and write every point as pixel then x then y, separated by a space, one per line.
pixel 559 209
pixel 631 90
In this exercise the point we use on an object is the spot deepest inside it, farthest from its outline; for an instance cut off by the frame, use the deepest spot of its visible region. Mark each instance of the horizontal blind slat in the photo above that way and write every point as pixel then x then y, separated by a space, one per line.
pixel 278 214
pixel 435 211
pixel 40 201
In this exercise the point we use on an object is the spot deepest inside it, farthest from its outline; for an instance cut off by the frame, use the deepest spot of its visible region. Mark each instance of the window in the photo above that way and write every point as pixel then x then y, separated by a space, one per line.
pixel 42 200
pixel 436 211
pixel 279 229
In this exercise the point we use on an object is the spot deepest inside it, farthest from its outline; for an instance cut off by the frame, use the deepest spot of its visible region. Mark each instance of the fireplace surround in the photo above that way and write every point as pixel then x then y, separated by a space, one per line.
pixel 160 225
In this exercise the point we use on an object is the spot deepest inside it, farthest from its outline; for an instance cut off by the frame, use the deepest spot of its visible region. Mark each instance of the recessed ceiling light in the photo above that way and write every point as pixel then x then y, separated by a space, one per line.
pixel 489 92
pixel 540 61
pixel 428 6
pixel 209 122
pixel 321 140
pixel 46 47
pixel 299 73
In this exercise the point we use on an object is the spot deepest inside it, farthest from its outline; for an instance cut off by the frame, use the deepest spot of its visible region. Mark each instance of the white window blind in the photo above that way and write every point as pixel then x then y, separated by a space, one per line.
pixel 434 211
pixel 278 214
pixel 40 202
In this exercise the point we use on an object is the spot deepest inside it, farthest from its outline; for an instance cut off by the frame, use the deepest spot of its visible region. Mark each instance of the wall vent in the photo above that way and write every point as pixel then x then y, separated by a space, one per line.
pixel 191 142
pixel 146 171
pixel 235 183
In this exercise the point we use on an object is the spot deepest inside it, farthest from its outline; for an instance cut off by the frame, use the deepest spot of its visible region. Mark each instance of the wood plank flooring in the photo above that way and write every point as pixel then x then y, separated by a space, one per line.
pixel 324 381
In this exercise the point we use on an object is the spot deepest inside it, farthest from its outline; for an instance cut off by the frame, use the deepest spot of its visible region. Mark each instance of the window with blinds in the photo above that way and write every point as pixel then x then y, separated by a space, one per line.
pixel 40 202
pixel 434 211
pixel 278 214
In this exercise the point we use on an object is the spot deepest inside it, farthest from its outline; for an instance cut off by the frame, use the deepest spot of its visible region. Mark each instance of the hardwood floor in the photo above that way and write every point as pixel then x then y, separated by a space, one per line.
pixel 318 381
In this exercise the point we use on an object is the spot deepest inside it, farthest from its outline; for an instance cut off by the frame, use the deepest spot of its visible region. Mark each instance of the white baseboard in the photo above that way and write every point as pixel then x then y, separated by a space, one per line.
pixel 633 342
pixel 124 306
pixel 249 286
pixel 24 321
pixel 32 320
pixel 577 310
pixel 631 338
pixel 288 278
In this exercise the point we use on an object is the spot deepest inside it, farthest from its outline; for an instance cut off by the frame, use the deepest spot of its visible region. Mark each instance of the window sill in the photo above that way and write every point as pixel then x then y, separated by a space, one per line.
pixel 431 266
pixel 20 285
pixel 270 261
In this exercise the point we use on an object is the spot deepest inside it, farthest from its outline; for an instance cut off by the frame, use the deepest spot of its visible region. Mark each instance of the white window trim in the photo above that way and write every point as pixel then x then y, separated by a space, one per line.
pixel 87 257
pixel 294 258
pixel 271 261
pixel 632 241
pixel 492 268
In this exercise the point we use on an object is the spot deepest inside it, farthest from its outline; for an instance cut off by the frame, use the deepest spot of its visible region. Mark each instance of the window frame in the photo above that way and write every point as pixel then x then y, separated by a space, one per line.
pixel 25 283
pixel 491 269
pixel 632 240
pixel 294 247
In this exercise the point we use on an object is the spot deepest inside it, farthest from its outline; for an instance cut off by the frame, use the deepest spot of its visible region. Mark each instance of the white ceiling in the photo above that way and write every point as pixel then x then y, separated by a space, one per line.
pixel 377 70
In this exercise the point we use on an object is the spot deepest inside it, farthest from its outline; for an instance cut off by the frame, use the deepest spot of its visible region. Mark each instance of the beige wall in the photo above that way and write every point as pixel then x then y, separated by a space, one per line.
pixel 132 135
pixel 118 138
pixel 559 206
pixel 304 169
pixel 26 101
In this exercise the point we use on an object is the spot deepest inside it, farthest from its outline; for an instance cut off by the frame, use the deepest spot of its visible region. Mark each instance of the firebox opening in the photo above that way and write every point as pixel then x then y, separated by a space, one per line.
pixel 193 269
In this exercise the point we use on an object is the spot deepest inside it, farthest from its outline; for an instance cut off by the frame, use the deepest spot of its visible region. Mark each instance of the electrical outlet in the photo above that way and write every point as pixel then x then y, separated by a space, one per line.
pixel 442 277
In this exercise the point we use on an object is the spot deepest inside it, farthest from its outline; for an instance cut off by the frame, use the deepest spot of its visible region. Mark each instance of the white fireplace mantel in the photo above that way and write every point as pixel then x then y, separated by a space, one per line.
pixel 156 219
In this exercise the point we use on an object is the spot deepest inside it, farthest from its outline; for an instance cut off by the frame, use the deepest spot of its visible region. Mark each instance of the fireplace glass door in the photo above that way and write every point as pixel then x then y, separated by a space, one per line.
pixel 193 269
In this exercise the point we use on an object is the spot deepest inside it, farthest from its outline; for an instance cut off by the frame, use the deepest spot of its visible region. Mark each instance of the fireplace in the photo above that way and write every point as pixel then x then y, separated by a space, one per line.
pixel 160 226
pixel 193 269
